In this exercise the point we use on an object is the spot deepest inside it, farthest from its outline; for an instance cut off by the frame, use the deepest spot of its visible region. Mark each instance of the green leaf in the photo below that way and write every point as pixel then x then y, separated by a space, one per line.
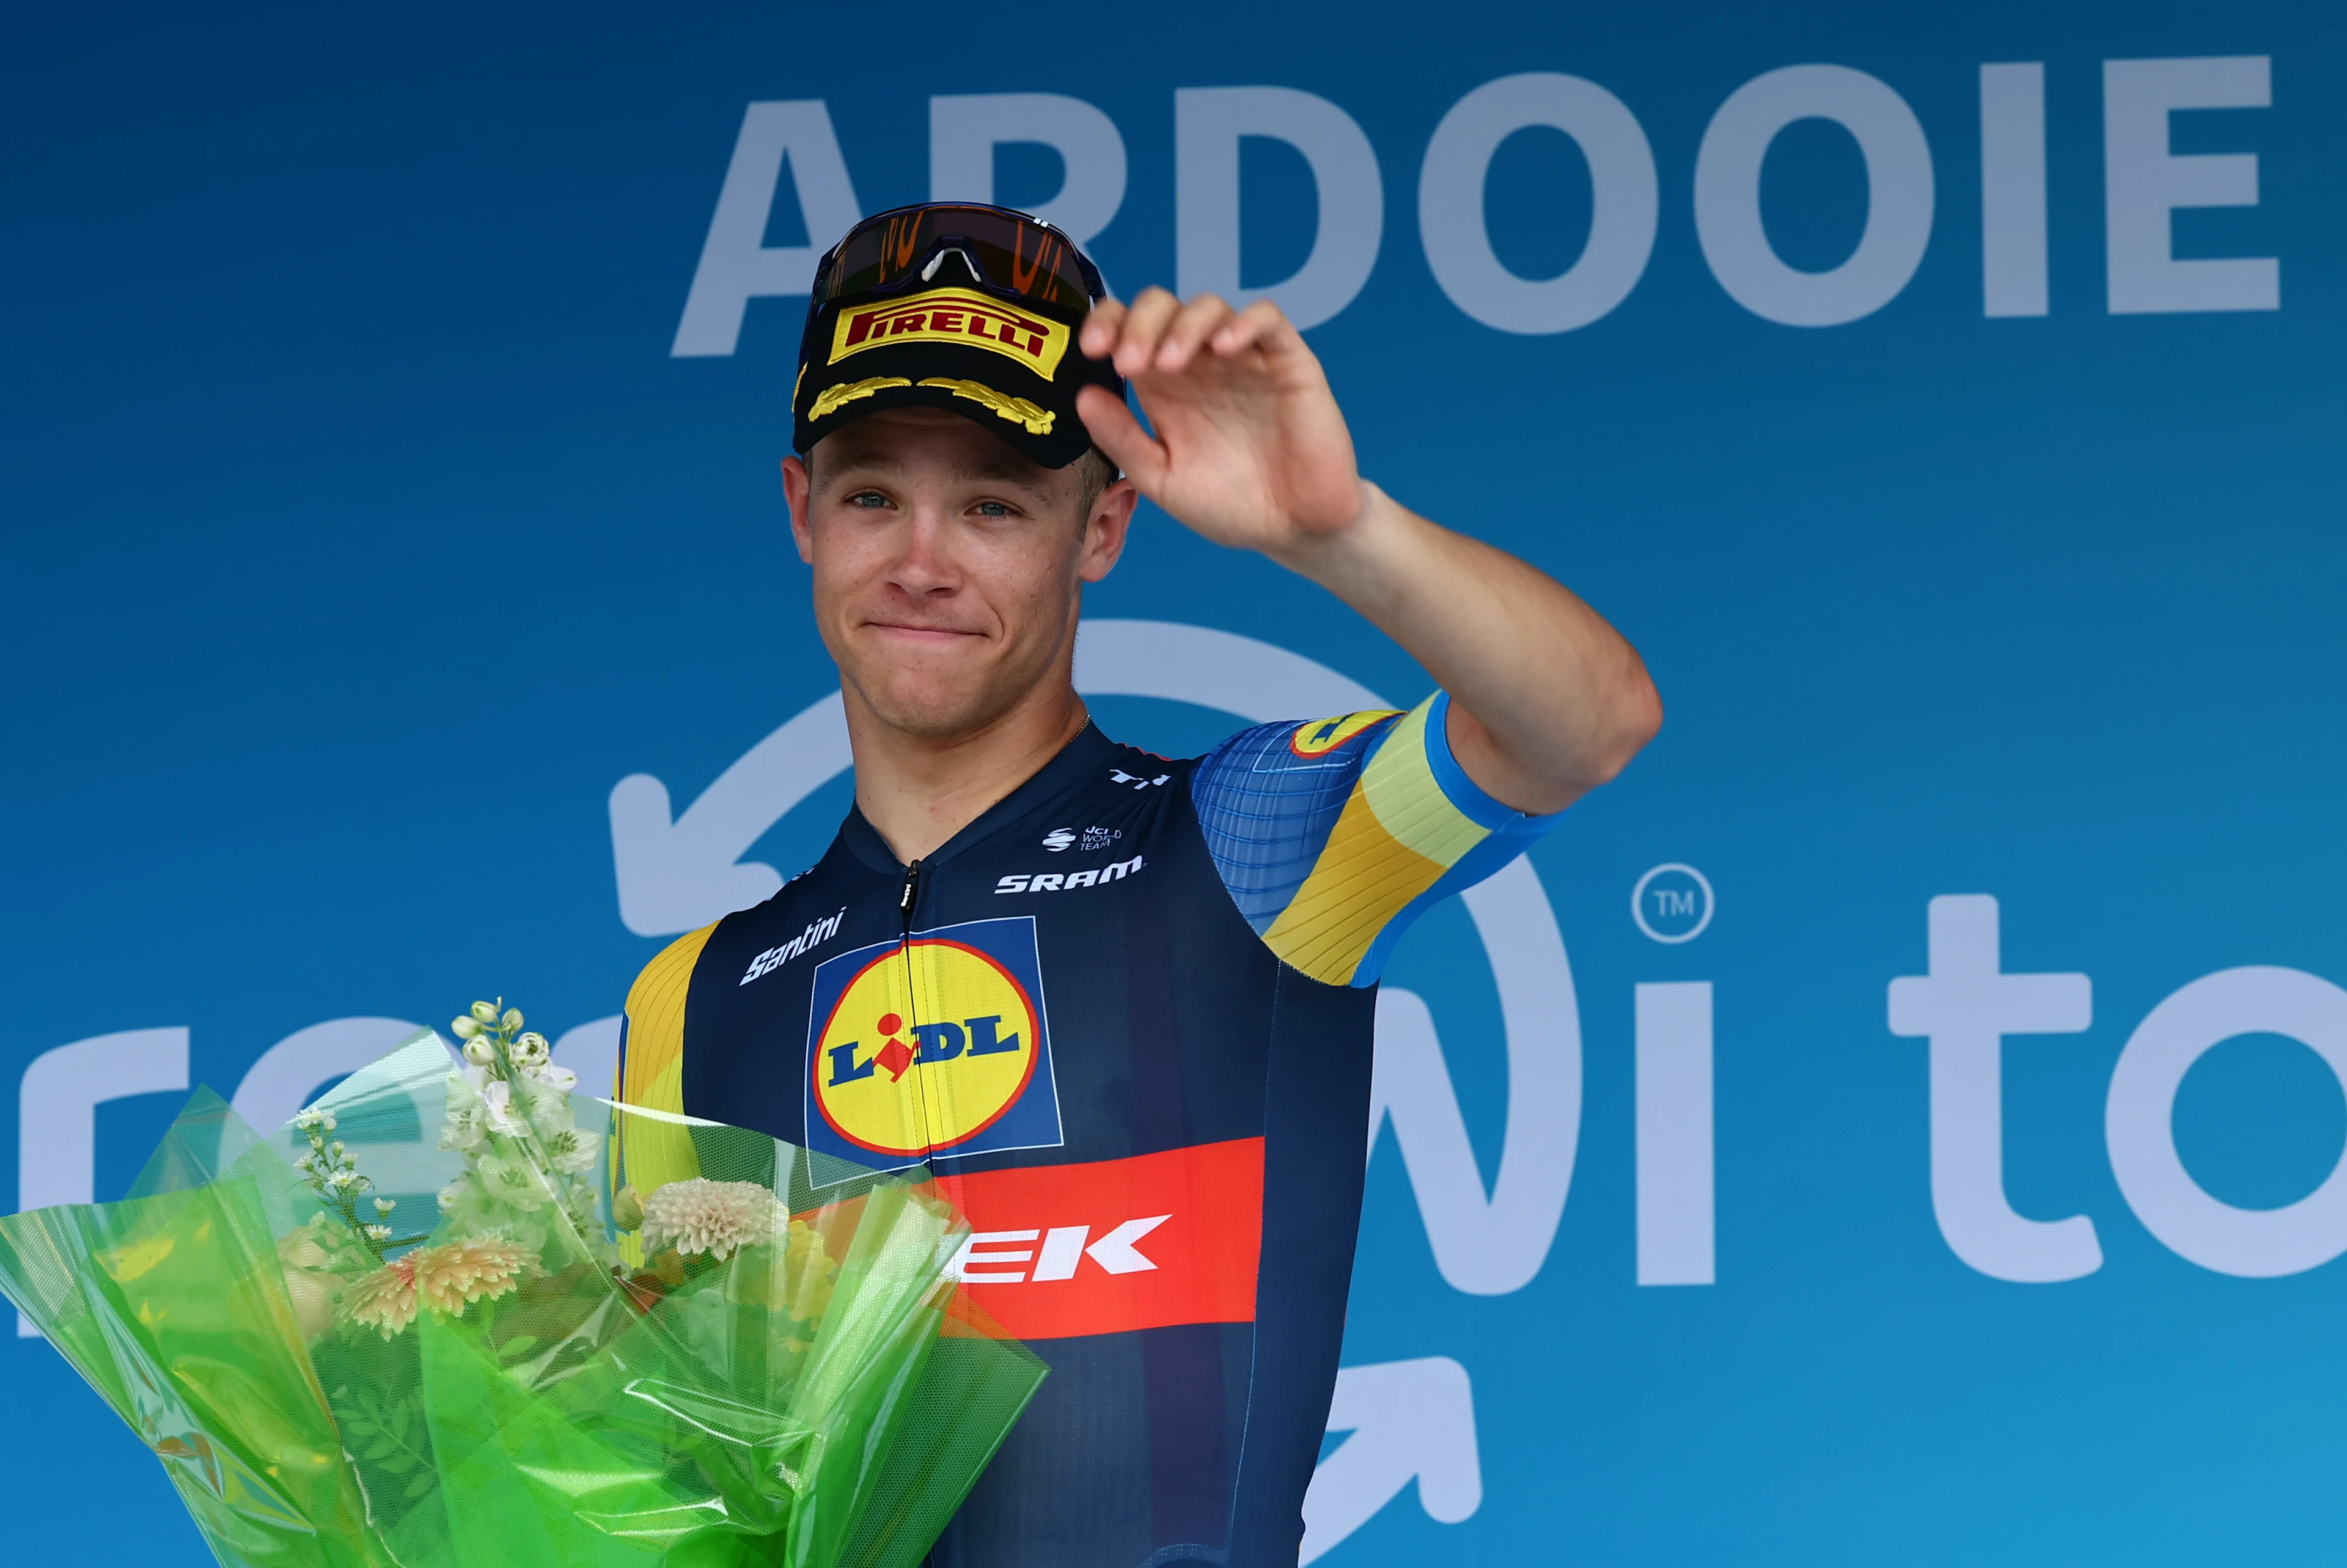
pixel 421 1485
pixel 520 1345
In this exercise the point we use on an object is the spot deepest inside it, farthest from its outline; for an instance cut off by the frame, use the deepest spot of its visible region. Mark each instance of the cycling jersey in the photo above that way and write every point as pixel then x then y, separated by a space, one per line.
pixel 1124 1018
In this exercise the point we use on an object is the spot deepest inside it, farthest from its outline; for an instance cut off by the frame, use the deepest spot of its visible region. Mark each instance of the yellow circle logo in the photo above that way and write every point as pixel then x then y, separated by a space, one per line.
pixel 928 1046
pixel 1321 736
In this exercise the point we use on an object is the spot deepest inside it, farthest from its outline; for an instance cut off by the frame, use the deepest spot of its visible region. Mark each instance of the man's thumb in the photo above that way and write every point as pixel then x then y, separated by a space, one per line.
pixel 1116 431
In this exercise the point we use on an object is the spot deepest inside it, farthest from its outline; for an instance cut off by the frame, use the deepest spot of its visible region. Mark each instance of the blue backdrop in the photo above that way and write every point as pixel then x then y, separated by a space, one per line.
pixel 1945 399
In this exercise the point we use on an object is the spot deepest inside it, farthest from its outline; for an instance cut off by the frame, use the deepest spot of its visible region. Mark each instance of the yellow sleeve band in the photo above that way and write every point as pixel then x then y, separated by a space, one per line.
pixel 651 1069
pixel 1397 836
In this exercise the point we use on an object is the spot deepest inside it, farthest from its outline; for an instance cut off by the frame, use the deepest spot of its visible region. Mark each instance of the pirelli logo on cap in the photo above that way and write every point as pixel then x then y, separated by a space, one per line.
pixel 955 316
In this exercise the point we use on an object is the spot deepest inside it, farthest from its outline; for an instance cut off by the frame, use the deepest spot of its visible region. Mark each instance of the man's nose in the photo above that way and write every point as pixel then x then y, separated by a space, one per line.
pixel 922 565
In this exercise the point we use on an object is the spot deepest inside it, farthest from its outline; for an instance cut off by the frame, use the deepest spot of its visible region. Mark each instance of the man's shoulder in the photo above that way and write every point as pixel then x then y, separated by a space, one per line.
pixel 670 968
pixel 652 1044
pixel 1287 766
pixel 1305 745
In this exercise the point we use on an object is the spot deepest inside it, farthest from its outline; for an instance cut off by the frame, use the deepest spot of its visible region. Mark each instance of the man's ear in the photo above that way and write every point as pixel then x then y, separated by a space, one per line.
pixel 1105 531
pixel 797 483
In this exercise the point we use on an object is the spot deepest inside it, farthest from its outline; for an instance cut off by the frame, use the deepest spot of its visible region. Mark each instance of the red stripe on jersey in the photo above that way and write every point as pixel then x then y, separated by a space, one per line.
pixel 1058 1251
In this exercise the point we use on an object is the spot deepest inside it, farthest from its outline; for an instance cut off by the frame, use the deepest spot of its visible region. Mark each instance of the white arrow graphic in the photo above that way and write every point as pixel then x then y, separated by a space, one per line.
pixel 680 875
pixel 1409 1420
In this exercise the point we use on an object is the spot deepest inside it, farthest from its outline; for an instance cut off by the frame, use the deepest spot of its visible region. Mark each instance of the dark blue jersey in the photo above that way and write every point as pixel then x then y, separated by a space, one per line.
pixel 1125 1018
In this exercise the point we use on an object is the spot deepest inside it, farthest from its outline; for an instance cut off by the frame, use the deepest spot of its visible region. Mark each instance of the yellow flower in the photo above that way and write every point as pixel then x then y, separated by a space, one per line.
pixel 626 1208
pixel 451 1276
pixel 384 1301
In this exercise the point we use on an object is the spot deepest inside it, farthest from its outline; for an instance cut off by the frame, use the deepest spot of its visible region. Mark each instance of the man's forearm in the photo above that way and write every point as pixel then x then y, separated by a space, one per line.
pixel 1547 700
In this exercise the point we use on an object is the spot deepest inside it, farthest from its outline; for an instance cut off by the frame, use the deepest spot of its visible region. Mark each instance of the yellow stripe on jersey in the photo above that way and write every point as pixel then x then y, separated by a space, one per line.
pixel 1397 836
pixel 1410 802
pixel 654 1154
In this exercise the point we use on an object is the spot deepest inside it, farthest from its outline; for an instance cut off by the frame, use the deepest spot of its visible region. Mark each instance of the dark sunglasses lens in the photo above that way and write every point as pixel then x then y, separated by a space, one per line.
pixel 1014 254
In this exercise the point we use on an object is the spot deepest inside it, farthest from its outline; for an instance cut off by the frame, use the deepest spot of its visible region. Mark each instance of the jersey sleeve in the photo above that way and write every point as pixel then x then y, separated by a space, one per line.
pixel 1333 833
pixel 647 1152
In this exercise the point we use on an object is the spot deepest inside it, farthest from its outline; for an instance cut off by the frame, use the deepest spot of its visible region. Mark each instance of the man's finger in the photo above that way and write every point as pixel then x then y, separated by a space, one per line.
pixel 1144 324
pixel 1116 431
pixel 1260 322
pixel 1191 329
pixel 1098 334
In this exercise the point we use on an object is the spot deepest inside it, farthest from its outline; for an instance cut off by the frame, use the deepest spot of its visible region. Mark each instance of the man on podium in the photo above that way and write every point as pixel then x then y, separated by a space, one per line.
pixel 1120 1004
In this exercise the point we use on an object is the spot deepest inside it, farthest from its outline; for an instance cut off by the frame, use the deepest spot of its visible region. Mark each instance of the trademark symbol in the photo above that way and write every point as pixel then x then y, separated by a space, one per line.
pixel 1672 903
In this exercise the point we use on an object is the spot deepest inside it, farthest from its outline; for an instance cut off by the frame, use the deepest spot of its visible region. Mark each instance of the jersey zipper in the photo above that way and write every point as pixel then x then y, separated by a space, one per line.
pixel 904 899
pixel 907 897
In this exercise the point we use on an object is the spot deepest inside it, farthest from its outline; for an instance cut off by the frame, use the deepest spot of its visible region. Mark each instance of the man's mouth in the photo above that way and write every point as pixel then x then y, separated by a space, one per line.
pixel 920 632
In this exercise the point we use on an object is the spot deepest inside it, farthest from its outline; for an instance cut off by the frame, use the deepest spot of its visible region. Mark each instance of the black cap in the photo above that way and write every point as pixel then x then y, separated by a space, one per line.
pixel 944 338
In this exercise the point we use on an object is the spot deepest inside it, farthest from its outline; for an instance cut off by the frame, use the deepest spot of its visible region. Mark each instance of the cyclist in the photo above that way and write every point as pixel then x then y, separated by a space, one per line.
pixel 1120 1004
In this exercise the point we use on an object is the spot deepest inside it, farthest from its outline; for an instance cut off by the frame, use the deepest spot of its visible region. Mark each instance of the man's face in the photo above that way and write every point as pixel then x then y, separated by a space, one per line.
pixel 947 565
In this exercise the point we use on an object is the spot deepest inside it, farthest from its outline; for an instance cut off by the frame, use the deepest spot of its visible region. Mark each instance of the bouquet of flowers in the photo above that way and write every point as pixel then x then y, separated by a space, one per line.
pixel 624 1338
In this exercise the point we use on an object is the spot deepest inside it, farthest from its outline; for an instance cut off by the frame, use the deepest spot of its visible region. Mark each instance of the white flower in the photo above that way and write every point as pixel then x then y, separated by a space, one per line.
pixel 452 1194
pixel 573 1150
pixel 385 1205
pixel 497 1105
pixel 712 1218
pixel 479 1052
pixel 547 1108
pixel 378 1233
pixel 464 1129
pixel 311 1120
pixel 464 1029
pixel 485 1012
pixel 512 1181
pixel 511 1021
pixel 556 1078
pixel 530 1050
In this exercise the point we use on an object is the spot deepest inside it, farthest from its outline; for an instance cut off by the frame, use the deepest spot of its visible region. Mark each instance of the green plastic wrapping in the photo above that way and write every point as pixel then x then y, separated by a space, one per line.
pixel 626 1339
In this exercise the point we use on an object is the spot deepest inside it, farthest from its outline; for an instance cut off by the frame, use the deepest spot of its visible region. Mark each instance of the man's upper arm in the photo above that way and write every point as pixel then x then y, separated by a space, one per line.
pixel 1333 835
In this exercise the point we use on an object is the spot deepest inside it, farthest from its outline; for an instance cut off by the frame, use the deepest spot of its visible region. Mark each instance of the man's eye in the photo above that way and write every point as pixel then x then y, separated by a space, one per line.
pixel 868 499
pixel 994 509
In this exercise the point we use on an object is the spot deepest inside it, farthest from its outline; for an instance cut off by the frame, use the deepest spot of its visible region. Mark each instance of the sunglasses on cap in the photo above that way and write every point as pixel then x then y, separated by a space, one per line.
pixel 1007 253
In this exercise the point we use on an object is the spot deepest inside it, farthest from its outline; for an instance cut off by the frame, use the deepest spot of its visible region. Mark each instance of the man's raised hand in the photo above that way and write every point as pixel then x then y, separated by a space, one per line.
pixel 1249 447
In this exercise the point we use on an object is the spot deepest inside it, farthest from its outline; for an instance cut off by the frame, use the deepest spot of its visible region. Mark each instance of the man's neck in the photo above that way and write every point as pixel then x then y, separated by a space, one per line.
pixel 917 791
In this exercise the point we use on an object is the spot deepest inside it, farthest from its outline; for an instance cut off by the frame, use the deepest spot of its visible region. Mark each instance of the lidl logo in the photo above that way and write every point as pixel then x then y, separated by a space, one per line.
pixel 1321 736
pixel 938 1043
